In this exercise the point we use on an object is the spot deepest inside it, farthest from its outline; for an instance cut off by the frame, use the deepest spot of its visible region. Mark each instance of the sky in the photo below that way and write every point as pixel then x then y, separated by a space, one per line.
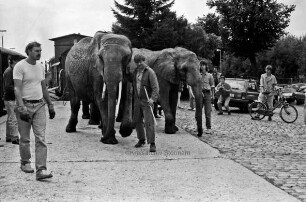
pixel 41 20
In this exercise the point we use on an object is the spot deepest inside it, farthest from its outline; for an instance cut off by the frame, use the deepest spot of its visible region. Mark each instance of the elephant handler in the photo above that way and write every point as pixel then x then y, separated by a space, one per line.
pixel 208 90
pixel 146 91
pixel 31 96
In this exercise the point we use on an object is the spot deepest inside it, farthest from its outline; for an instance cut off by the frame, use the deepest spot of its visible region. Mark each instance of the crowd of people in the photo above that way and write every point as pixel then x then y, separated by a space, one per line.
pixel 25 98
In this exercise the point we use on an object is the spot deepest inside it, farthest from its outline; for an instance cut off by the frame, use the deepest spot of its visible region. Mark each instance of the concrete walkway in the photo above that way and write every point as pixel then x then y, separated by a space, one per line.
pixel 183 169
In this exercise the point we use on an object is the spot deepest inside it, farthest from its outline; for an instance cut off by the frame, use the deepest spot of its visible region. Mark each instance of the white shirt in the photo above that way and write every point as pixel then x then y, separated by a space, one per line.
pixel 31 77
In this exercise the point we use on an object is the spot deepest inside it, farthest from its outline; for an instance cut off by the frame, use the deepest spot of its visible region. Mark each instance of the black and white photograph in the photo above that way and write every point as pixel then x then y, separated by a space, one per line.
pixel 153 100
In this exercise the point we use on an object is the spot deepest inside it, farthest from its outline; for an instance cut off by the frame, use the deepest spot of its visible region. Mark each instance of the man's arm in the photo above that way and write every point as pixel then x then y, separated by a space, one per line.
pixel 17 88
pixel 154 86
pixel 8 82
pixel 229 88
pixel 47 98
pixel 212 86
pixel 261 84
pixel 45 92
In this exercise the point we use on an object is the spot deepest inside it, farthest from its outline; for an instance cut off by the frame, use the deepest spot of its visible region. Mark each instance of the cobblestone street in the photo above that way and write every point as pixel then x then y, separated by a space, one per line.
pixel 273 150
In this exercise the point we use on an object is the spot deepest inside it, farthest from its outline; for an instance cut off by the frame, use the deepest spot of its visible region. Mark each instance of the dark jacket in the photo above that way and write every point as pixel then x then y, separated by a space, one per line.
pixel 8 84
pixel 148 81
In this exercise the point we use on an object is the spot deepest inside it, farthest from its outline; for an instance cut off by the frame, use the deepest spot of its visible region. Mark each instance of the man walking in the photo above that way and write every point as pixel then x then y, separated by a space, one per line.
pixel 146 91
pixel 9 101
pixel 32 95
pixel 208 90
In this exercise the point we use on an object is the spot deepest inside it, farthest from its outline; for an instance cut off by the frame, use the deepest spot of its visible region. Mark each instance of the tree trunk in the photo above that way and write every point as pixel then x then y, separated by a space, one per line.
pixel 252 59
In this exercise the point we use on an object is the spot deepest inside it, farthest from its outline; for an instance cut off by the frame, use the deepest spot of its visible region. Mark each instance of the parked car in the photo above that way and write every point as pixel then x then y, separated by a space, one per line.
pixel 244 92
pixel 299 95
pixel 297 86
pixel 287 93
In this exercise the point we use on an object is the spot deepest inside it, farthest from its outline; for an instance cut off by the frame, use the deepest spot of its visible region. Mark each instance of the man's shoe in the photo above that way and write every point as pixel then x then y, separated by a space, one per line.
pixel 208 131
pixel 152 147
pixel 15 141
pixel 269 118
pixel 229 113
pixel 43 174
pixel 27 168
pixel 140 143
pixel 8 140
pixel 220 113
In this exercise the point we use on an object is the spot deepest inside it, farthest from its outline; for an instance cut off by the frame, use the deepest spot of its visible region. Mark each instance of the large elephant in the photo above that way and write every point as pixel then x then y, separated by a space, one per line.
pixel 95 68
pixel 171 66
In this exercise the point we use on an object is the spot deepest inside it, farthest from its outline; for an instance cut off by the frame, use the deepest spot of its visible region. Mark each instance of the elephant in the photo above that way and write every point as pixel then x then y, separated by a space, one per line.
pixel 171 66
pixel 96 72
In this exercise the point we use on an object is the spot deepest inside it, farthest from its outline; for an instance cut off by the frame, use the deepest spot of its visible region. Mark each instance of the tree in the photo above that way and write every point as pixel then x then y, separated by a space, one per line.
pixel 210 23
pixel 169 32
pixel 201 43
pixel 139 19
pixel 250 27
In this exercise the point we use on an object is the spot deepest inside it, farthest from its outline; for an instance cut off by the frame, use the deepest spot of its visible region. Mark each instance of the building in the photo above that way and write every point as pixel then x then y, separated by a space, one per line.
pixel 62 45
pixel 4 54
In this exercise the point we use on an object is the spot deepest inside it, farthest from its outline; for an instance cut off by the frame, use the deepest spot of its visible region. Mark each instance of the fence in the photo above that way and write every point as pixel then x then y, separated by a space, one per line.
pixel 290 80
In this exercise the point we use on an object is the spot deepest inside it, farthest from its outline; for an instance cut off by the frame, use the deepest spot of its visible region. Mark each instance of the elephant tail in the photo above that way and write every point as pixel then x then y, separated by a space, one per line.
pixel 66 92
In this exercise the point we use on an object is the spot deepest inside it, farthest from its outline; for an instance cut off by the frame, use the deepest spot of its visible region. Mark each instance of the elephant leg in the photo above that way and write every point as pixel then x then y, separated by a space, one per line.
pixel 75 106
pixel 173 99
pixel 168 112
pixel 126 127
pixel 94 114
pixel 85 110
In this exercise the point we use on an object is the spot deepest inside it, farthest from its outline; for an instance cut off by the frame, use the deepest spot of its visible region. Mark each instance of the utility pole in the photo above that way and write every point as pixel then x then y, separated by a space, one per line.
pixel 219 50
pixel 1 76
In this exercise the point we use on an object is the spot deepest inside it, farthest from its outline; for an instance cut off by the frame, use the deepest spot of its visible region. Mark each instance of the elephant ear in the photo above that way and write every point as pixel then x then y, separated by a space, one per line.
pixel 94 50
pixel 165 66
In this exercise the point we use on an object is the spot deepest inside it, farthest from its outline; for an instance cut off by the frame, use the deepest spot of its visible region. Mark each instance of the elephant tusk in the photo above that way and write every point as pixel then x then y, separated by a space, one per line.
pixel 119 98
pixel 103 91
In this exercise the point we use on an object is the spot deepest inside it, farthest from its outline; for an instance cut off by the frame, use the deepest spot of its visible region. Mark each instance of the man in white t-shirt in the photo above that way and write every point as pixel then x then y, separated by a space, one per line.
pixel 31 96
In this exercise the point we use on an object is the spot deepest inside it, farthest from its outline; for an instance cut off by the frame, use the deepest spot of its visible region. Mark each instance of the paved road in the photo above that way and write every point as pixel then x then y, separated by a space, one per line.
pixel 183 169
pixel 274 150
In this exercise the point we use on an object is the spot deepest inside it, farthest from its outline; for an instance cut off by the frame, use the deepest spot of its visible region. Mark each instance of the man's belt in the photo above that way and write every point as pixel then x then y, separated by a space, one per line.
pixel 33 101
pixel 206 91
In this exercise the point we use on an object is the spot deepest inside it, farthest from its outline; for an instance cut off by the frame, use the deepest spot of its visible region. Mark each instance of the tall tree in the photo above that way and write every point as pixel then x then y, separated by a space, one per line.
pixel 138 19
pixel 201 43
pixel 210 23
pixel 251 26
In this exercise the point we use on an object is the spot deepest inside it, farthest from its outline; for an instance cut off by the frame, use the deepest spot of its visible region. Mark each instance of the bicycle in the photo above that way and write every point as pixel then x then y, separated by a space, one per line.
pixel 259 110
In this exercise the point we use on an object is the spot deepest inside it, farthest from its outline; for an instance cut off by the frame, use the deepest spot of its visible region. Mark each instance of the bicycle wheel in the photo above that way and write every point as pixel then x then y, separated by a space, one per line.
pixel 288 113
pixel 257 110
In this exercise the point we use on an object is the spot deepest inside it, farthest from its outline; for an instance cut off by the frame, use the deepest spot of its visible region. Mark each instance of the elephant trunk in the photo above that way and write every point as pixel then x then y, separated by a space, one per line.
pixel 197 91
pixel 111 102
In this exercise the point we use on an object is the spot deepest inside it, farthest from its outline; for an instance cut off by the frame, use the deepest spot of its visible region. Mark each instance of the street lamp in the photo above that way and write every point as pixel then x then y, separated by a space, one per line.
pixel 1 73
pixel 2 35
pixel 219 50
